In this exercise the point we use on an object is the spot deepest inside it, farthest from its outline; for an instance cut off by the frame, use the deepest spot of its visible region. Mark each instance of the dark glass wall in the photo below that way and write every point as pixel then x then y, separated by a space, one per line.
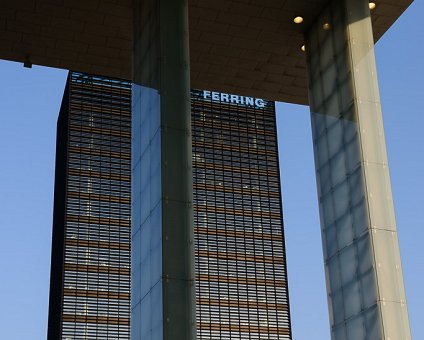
pixel 56 270
pixel 90 289
pixel 241 281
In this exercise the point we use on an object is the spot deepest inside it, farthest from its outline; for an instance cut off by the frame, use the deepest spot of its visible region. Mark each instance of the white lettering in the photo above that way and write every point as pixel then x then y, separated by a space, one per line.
pixel 259 102
pixel 234 99
pixel 215 96
pixel 206 94
pixel 249 101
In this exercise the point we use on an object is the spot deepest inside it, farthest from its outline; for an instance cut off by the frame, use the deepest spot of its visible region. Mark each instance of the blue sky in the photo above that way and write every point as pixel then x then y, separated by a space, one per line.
pixel 29 104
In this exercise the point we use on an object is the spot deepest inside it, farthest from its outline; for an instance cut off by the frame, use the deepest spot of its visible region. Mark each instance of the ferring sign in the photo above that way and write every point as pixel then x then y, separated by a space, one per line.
pixel 233 99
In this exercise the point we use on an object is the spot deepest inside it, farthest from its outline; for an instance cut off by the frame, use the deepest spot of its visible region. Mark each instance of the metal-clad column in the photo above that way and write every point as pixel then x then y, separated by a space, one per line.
pixel 364 277
pixel 163 294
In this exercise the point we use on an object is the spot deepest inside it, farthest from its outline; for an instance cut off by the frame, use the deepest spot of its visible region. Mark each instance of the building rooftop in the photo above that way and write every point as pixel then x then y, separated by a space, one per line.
pixel 246 47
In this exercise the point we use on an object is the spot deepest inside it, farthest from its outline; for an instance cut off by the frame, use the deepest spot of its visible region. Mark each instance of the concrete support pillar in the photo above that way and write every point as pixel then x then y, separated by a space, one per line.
pixel 163 292
pixel 366 295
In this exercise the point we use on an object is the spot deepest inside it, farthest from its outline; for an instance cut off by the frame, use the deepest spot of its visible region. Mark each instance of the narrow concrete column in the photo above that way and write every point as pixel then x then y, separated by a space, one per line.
pixel 366 295
pixel 163 292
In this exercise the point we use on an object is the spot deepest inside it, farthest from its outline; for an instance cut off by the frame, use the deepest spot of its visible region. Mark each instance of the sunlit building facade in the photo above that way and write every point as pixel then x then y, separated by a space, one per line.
pixel 90 273
pixel 241 278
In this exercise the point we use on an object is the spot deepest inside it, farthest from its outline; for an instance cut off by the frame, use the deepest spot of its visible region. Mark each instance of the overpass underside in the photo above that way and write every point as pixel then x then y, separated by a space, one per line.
pixel 246 47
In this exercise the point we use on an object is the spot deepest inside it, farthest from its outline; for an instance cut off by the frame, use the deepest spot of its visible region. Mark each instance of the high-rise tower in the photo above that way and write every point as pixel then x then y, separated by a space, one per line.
pixel 241 278
pixel 240 267
pixel 90 275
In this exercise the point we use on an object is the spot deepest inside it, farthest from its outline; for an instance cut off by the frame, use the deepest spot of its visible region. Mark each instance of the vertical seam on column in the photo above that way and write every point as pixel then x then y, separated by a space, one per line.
pixel 356 103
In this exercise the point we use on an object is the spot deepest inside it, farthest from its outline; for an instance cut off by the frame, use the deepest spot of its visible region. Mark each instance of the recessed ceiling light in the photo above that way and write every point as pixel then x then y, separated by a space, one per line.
pixel 303 48
pixel 326 26
pixel 372 5
pixel 298 20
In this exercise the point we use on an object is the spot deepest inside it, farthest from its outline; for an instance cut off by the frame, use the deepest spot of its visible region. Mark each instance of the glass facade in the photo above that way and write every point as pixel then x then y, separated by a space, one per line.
pixel 147 287
pixel 362 261
pixel 241 279
pixel 90 279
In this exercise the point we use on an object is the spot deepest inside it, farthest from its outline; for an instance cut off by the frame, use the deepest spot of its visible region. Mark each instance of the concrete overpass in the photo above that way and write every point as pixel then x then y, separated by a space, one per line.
pixel 242 47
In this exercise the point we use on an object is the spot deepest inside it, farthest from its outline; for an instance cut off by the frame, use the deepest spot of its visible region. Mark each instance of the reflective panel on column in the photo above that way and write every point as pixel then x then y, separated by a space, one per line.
pixel 163 294
pixel 147 311
pixel 364 278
